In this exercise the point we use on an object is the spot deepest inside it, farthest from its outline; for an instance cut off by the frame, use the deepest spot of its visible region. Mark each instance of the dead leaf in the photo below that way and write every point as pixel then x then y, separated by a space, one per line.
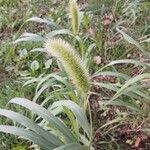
pixel 91 32
pixel 97 60
pixel 137 142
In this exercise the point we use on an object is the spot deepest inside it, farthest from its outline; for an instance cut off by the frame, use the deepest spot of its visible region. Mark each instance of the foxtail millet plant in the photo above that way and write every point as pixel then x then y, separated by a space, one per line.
pixel 74 12
pixel 71 61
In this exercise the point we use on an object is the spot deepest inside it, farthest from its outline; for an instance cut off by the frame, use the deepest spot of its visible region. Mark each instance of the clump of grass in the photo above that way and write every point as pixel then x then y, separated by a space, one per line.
pixel 71 61
pixel 75 18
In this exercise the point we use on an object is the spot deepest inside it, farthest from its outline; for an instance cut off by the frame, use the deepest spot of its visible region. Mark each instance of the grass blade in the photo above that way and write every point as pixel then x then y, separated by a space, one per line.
pixel 77 111
pixel 39 110
pixel 51 140
pixel 72 146
pixel 26 134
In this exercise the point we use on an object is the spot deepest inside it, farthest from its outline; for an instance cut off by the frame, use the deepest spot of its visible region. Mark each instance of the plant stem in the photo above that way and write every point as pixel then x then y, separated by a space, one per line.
pixel 91 120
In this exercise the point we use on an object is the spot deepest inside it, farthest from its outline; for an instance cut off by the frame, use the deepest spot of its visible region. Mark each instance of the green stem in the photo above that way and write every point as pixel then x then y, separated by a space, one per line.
pixel 19 30
pixel 91 120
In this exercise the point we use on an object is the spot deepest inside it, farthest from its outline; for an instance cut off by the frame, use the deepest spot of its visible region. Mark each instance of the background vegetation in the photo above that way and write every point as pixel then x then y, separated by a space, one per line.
pixel 108 108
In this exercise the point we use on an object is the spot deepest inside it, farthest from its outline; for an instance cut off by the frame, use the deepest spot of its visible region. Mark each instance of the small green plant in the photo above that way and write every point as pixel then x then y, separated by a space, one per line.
pixel 58 135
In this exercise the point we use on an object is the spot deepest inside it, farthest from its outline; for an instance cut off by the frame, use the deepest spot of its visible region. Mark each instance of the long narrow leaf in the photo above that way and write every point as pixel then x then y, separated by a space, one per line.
pixel 44 87
pixel 131 82
pixel 130 105
pixel 58 32
pixel 77 111
pixel 40 20
pixel 132 41
pixel 52 141
pixel 39 110
pixel 30 37
pixel 125 61
pixel 72 146
pixel 26 134
pixel 110 73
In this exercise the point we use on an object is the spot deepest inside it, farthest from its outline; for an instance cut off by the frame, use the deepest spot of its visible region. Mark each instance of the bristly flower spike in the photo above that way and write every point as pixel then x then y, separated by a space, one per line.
pixel 71 61
pixel 75 16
